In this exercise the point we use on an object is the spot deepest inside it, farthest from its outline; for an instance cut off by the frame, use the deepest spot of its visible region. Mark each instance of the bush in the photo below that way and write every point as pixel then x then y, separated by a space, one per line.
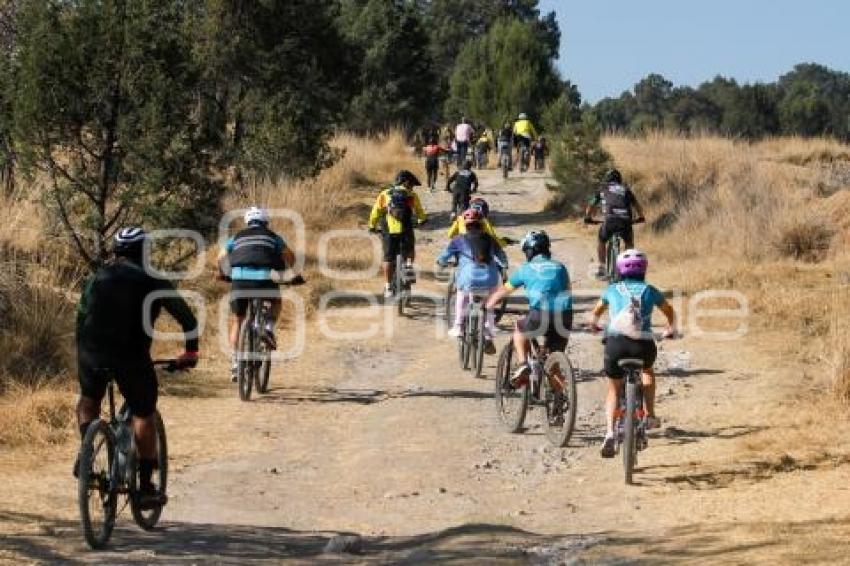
pixel 579 161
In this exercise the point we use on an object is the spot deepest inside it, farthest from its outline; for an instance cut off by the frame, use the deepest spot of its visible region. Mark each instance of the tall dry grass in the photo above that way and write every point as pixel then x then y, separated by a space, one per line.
pixel 770 219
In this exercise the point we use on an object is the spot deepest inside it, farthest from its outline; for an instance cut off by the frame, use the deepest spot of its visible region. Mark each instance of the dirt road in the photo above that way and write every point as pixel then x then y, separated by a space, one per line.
pixel 387 439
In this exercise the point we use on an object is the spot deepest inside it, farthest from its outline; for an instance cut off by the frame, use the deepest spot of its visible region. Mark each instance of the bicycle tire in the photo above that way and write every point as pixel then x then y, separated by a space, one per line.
pixel 629 429
pixel 512 420
pixel 147 519
pixel 399 285
pixel 264 373
pixel 559 436
pixel 245 350
pixel 480 338
pixel 468 339
pixel 97 536
pixel 451 291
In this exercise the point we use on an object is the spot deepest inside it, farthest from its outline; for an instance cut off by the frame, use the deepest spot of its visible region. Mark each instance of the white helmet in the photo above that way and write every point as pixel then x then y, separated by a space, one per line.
pixel 256 214
pixel 523 116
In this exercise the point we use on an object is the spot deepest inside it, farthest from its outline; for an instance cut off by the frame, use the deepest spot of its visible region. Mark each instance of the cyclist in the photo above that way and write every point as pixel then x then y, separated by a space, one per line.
pixel 524 134
pixel 547 286
pixel 505 142
pixel 540 151
pixel 463 135
pixel 618 203
pixel 392 214
pixel 630 302
pixel 459 227
pixel 433 150
pixel 462 183
pixel 248 259
pixel 482 148
pixel 478 257
pixel 118 307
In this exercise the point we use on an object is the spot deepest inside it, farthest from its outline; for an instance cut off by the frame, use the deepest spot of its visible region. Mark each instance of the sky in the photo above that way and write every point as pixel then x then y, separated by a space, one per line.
pixel 609 45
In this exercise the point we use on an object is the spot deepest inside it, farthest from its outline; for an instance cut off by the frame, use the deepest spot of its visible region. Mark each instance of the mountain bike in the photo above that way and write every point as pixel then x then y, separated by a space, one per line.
pixel 255 346
pixel 630 417
pixel 551 385
pixel 505 159
pixel 524 157
pixel 402 283
pixel 108 468
pixel 471 343
pixel 613 246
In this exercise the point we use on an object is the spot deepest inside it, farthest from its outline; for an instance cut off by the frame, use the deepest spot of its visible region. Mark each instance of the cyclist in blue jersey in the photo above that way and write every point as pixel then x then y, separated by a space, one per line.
pixel 629 303
pixel 547 286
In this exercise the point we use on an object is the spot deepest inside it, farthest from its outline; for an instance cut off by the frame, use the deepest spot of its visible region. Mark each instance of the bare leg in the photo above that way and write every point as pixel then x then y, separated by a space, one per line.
pixel 461 300
pixel 600 252
pixel 520 345
pixel 389 271
pixel 145 431
pixel 235 323
pixel 614 386
pixel 87 411
pixel 649 391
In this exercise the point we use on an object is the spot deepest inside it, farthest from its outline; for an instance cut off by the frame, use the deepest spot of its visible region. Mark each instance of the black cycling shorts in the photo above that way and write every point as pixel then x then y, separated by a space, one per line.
pixel 395 244
pixel 239 305
pixel 621 347
pixel 554 326
pixel 613 226
pixel 137 383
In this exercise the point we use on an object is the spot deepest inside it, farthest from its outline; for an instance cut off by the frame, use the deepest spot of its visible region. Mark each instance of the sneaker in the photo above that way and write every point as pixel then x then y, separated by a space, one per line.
pixel 148 497
pixel 234 371
pixel 609 447
pixel 520 376
pixel 652 422
pixel 456 332
pixel 600 272
pixel 388 292
pixel 489 347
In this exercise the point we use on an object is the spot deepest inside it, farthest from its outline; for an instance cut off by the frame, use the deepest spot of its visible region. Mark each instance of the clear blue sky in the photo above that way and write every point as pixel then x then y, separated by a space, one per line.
pixel 609 45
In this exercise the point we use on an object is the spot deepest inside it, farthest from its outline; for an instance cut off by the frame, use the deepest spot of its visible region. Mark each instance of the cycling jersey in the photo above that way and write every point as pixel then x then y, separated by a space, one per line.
pixel 253 253
pixel 390 224
pixel 472 274
pixel 465 181
pixel 432 150
pixel 546 283
pixel 525 129
pixel 616 201
pixel 463 133
pixel 618 297
pixel 459 227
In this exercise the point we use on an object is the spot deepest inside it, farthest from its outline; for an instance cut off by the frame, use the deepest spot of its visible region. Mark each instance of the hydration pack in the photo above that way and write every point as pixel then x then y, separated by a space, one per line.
pixel 629 321
pixel 400 204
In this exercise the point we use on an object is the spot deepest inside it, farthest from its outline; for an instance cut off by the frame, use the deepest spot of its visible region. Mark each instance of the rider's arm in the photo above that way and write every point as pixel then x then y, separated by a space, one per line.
pixel 474 182
pixel 670 315
pixel 377 211
pixel 84 304
pixel 179 309
pixel 454 229
pixel 499 294
pixel 418 210
pixel 635 204
pixel 597 312
pixel 489 229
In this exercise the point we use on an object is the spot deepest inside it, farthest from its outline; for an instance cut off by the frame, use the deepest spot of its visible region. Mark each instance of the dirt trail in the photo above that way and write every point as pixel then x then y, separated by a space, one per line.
pixel 388 439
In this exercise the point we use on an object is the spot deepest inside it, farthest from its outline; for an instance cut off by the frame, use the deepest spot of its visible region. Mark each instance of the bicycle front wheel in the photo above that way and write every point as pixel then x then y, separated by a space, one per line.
pixel 629 447
pixel 559 399
pixel 148 518
pixel 96 486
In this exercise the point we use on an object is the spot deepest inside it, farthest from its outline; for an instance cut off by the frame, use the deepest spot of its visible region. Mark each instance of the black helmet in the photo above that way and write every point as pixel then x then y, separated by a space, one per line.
pixel 613 176
pixel 405 176
pixel 128 242
pixel 468 164
pixel 534 243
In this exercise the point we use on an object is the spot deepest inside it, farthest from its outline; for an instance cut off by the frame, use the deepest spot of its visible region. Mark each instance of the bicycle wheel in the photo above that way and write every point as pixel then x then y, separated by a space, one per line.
pixel 148 518
pixel 505 167
pixel 629 427
pixel 246 351
pixel 559 399
pixel 96 490
pixel 479 342
pixel 264 372
pixel 451 292
pixel 399 284
pixel 511 403
pixel 468 341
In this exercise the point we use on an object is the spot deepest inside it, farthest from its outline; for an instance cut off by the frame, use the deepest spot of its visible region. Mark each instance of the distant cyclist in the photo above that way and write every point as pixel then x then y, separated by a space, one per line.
pixel 464 132
pixel 393 215
pixel 117 308
pixel 540 151
pixel 505 142
pixel 248 260
pixel 629 303
pixel 524 133
pixel 478 257
pixel 547 286
pixel 462 183
pixel 618 204
pixel 432 151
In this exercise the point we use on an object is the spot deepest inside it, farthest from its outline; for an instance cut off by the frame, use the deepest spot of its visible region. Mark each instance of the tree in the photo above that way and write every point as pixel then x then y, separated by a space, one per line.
pixel 502 73
pixel 277 75
pixel 105 102
pixel 563 111
pixel 396 82
pixel 579 161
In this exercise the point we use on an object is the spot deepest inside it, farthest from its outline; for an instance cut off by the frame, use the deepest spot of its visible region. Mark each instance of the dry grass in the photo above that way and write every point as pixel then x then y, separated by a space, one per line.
pixel 36 415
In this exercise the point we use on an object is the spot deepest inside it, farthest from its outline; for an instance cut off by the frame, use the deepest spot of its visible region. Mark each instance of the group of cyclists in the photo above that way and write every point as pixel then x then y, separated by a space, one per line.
pixel 115 306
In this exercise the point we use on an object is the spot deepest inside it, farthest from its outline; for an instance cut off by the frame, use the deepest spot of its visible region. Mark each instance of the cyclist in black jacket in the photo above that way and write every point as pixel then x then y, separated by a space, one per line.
pixel 115 317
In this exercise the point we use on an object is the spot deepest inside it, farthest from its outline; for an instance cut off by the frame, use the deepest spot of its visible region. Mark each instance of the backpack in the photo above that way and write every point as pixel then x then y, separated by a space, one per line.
pixel 629 321
pixel 399 204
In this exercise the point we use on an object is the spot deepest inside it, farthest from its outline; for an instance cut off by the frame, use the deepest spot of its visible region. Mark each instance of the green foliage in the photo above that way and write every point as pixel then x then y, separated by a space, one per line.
pixel 396 81
pixel 104 99
pixel 579 161
pixel 562 112
pixel 502 73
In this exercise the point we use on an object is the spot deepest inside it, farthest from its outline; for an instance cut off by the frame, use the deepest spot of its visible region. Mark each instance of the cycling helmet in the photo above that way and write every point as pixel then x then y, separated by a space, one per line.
pixel 128 241
pixel 534 243
pixel 256 215
pixel 472 216
pixel 404 176
pixel 467 164
pixel 523 116
pixel 632 264
pixel 613 176
pixel 481 205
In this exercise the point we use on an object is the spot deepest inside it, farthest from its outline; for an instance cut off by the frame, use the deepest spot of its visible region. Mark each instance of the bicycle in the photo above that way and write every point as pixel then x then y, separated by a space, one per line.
pixel 505 158
pixel 254 348
pixel 524 157
pixel 630 417
pixel 402 283
pixel 114 441
pixel 613 246
pixel 471 343
pixel 551 385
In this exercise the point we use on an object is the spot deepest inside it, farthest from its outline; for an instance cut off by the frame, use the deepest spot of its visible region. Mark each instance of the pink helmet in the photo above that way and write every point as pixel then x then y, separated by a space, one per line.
pixel 632 263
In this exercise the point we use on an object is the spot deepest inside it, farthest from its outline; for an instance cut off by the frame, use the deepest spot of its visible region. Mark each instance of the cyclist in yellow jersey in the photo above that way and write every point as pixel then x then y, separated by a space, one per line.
pixel 524 133
pixel 459 227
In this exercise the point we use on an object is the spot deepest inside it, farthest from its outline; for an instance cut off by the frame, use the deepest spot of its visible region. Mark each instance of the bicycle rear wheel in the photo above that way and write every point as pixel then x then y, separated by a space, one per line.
pixel 96 490
pixel 246 352
pixel 264 373
pixel 467 341
pixel 399 284
pixel 148 518
pixel 629 441
pixel 451 296
pixel 559 399
pixel 479 342
pixel 511 403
